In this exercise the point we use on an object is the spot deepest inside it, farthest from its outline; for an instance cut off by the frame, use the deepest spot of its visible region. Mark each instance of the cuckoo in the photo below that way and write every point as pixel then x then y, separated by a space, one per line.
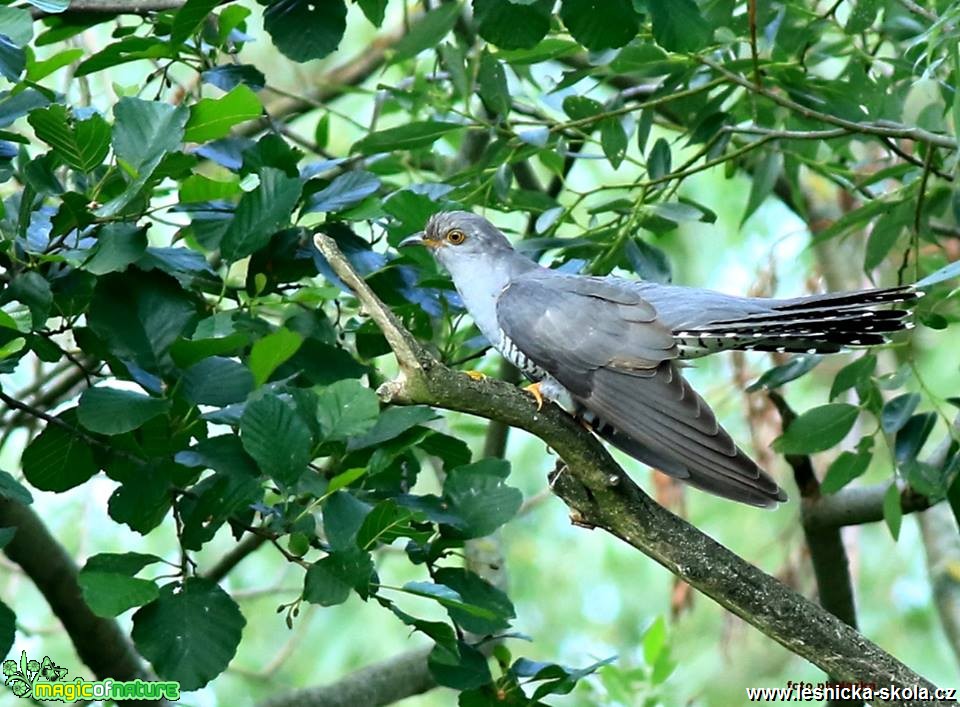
pixel 613 348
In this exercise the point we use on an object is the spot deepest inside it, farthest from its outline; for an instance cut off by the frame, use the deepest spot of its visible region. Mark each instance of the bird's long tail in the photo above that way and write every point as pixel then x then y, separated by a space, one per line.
pixel 815 324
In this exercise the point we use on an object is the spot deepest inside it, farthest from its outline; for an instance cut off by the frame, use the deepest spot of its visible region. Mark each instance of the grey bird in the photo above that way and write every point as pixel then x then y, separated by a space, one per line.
pixel 615 346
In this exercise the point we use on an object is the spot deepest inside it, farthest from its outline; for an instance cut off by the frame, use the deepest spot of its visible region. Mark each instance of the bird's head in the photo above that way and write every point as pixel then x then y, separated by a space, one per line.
pixel 455 236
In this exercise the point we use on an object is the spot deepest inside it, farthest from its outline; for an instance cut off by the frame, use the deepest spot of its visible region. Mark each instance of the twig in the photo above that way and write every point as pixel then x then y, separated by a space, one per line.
pixel 884 128
pixel 243 549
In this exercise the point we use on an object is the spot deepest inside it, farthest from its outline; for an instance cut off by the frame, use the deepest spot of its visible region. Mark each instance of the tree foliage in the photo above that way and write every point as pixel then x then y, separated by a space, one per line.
pixel 156 247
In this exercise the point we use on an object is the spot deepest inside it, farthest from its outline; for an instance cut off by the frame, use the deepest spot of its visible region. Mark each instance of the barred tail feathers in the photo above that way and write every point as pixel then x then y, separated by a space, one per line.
pixel 814 324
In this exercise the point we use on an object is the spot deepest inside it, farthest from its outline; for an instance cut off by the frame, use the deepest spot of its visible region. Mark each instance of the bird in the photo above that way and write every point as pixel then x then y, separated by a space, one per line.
pixel 614 348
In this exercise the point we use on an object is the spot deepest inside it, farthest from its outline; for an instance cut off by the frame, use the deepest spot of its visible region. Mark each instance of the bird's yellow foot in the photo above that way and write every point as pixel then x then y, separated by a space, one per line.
pixel 534 390
pixel 475 375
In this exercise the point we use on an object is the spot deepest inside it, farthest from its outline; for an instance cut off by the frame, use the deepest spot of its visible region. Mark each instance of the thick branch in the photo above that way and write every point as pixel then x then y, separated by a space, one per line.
pixel 856 506
pixel 602 495
pixel 114 7
pixel 378 684
pixel 99 642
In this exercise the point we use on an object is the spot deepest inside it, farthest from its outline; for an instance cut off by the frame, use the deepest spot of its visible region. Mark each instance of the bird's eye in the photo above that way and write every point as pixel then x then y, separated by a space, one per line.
pixel 455 236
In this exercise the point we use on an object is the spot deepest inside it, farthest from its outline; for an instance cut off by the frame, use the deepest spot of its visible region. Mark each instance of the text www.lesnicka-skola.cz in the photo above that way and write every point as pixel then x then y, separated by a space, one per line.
pixel 821 691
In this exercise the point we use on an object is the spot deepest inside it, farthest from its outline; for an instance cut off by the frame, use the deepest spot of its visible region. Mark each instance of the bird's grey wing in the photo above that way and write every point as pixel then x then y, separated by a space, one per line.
pixel 604 343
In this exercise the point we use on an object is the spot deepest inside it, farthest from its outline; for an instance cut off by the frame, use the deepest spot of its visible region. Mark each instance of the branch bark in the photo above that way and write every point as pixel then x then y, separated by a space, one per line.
pixel 601 495
pixel 378 684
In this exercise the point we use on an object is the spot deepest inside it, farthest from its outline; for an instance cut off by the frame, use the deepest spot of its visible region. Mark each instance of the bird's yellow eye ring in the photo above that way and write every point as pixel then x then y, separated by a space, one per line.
pixel 455 236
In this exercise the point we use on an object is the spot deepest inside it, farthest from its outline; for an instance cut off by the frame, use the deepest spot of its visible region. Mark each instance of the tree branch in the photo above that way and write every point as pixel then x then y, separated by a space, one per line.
pixel 113 7
pixel 375 685
pixel 602 495
pixel 856 506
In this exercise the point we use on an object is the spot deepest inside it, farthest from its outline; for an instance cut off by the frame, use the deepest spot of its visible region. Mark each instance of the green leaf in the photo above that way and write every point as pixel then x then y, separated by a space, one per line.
pixel 17 25
pixel 817 429
pixel 764 179
pixel 108 584
pixel 346 190
pixel 128 49
pixel 110 594
pixel 404 137
pixel 119 245
pixel 862 16
pixel 608 28
pixel 476 494
pixel 613 140
pixel 374 10
pixel 848 466
pixel 33 290
pixel 111 411
pixel 330 580
pixel 13 490
pixel 217 381
pixel 658 162
pixel 581 107
pixel 912 436
pixel 427 31
pixel 13 60
pixel 384 524
pixel 897 411
pixel 57 459
pixel 391 423
pixel 882 238
pixel 343 514
pixel 190 633
pixel 464 670
pixel 476 592
pixel 212 118
pixel 190 17
pixel 139 315
pixel 39 70
pixel 272 351
pixel 82 145
pixel 345 409
pixel 260 214
pixel 228 76
pixel 492 85
pixel 197 188
pixel 791 370
pixel 305 29
pixel 448 598
pixel 277 438
pixel 511 25
pixel 853 374
pixel 654 641
pixel 144 132
pixel 892 510
pixel 143 499
pixel 678 25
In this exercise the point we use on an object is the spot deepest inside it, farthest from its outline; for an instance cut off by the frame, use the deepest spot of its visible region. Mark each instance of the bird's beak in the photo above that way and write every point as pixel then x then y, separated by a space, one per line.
pixel 416 239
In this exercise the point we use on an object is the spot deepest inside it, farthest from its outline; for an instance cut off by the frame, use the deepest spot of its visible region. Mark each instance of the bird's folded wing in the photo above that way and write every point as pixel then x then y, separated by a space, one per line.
pixel 604 344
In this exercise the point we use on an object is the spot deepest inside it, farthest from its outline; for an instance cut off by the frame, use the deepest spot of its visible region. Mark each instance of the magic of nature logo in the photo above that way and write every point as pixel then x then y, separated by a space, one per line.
pixel 45 680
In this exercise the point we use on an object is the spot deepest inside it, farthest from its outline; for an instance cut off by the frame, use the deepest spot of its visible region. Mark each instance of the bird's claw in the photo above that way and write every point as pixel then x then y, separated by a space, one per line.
pixel 534 390
pixel 475 375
